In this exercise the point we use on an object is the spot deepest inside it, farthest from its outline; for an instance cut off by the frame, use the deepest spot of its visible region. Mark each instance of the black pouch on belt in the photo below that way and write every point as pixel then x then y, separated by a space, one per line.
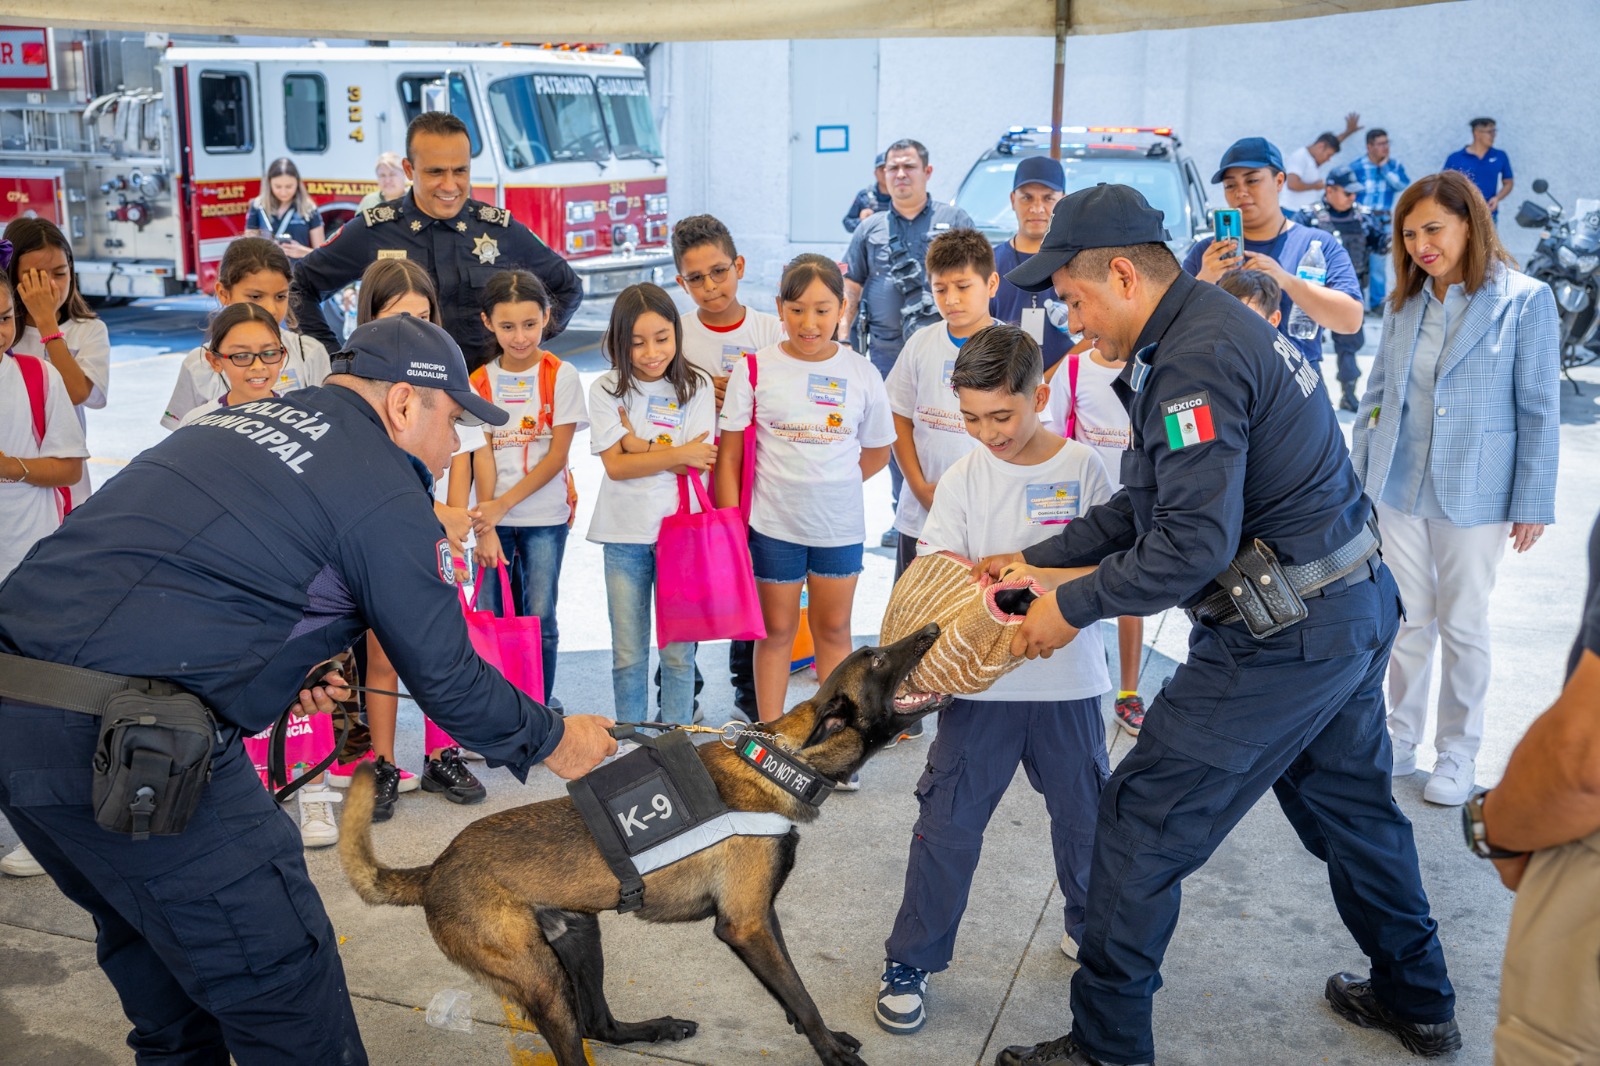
pixel 152 762
pixel 1262 592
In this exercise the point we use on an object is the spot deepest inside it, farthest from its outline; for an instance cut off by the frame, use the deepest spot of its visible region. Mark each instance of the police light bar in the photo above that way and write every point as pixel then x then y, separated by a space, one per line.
pixel 1159 131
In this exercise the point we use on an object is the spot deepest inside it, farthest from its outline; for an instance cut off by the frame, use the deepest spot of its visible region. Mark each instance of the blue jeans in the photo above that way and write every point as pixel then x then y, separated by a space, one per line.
pixel 533 555
pixel 630 582
pixel 215 938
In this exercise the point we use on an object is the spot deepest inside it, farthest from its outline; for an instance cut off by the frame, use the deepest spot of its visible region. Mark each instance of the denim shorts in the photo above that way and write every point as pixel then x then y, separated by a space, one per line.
pixel 780 562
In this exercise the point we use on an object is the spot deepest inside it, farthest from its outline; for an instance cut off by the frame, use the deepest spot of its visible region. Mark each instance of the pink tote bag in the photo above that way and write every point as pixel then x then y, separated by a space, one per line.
pixel 307 742
pixel 509 644
pixel 705 585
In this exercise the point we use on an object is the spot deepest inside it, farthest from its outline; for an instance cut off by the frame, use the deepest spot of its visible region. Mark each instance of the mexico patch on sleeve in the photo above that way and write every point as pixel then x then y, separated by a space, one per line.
pixel 1188 420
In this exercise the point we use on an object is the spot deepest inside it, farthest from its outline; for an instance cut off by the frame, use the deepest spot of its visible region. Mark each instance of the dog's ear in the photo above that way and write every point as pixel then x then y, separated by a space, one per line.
pixel 838 712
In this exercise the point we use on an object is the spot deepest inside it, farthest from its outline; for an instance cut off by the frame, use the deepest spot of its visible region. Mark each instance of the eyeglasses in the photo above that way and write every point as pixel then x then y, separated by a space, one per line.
pixel 269 356
pixel 717 274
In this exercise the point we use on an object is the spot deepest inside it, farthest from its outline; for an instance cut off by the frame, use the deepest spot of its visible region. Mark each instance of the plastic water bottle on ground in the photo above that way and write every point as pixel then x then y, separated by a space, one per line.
pixel 451 1008
pixel 1313 268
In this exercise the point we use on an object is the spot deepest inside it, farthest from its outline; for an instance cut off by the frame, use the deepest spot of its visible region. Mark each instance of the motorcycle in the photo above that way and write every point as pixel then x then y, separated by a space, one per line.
pixel 1568 260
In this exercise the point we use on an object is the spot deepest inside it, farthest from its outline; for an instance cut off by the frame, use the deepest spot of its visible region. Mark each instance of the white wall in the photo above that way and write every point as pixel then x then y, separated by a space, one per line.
pixel 1419 72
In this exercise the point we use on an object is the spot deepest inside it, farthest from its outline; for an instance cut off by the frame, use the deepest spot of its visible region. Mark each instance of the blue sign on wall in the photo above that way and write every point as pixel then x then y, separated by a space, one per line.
pixel 833 138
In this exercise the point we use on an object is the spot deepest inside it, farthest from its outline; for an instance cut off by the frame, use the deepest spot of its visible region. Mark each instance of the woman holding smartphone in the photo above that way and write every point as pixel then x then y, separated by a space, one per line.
pixel 284 211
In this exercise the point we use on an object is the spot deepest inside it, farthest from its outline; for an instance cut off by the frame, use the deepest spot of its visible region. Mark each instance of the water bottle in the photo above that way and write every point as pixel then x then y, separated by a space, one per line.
pixel 1313 268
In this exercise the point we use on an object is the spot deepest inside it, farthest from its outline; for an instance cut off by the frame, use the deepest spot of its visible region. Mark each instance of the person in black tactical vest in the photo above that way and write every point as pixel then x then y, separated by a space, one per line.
pixel 1363 236
pixel 460 242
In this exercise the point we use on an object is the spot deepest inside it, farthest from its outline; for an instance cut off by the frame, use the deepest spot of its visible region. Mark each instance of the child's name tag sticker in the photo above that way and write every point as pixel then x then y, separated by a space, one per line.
pixel 1054 504
pixel 288 379
pixel 948 373
pixel 1033 323
pixel 514 388
pixel 665 412
pixel 731 354
pixel 825 390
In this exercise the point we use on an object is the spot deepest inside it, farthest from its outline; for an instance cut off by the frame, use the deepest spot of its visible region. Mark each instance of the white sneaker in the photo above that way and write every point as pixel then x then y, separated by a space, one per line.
pixel 852 785
pixel 1069 947
pixel 1405 758
pixel 20 863
pixel 1451 782
pixel 318 827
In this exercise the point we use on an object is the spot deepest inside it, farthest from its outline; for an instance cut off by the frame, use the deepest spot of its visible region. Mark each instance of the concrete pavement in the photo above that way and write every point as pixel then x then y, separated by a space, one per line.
pixel 1244 976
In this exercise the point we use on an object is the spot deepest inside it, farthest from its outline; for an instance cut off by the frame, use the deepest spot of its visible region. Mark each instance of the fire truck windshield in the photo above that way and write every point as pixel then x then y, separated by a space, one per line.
pixel 543 118
pixel 626 102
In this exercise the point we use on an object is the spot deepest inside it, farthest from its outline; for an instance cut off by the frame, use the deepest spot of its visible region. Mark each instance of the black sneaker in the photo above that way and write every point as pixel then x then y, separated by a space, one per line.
pixel 890 539
pixel 387 779
pixel 1062 1051
pixel 1348 402
pixel 448 774
pixel 1352 998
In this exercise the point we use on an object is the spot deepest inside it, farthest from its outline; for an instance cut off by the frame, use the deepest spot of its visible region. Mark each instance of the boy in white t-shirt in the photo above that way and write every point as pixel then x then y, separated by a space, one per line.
pixel 929 433
pixel 1045 714
pixel 716 339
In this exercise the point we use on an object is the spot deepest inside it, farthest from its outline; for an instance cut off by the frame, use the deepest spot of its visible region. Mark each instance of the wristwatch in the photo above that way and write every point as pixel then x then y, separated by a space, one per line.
pixel 1478 833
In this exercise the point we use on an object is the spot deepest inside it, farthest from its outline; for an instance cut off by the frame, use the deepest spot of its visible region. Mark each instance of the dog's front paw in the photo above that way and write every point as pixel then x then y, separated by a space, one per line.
pixel 675 1028
pixel 841 1051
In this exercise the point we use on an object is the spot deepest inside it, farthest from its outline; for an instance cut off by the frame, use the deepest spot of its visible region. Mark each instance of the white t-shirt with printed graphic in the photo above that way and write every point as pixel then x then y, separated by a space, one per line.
pixel 305 364
pixel 1102 420
pixel 812 420
pixel 919 389
pixel 630 511
pixel 986 506
pixel 717 351
pixel 90 344
pixel 28 512
pixel 518 450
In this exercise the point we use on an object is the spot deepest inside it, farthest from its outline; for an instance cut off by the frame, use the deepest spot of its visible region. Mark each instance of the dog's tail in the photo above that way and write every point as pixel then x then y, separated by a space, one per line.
pixel 374 883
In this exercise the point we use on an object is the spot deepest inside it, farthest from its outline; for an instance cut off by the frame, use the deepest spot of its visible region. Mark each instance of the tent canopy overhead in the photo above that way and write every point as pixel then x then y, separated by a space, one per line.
pixel 666 20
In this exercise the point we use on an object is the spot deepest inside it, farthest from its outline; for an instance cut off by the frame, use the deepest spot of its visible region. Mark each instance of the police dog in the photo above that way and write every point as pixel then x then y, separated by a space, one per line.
pixel 514 898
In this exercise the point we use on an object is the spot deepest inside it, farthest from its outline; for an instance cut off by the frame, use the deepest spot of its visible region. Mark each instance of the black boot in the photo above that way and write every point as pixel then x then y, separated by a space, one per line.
pixel 1352 998
pixel 1348 401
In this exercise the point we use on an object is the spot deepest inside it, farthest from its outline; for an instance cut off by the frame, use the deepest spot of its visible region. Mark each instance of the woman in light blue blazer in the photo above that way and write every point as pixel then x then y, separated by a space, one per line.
pixel 1456 442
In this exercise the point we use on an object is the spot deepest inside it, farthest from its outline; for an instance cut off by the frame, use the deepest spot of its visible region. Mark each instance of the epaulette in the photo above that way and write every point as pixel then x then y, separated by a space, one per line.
pixel 382 213
pixel 490 214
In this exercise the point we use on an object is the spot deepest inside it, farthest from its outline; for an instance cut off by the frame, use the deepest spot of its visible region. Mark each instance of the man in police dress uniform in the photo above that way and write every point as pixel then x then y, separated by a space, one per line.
pixel 460 241
pixel 230 560
pixel 1234 446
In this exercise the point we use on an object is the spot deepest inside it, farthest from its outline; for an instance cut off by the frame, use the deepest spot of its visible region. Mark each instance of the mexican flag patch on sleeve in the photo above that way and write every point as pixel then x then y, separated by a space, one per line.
pixel 1188 420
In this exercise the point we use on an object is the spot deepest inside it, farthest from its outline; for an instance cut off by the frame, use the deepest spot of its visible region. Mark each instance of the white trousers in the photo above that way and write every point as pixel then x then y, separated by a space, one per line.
pixel 1445 573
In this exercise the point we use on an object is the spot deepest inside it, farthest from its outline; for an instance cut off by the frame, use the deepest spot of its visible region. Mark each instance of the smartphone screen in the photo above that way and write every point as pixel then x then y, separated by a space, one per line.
pixel 1229 226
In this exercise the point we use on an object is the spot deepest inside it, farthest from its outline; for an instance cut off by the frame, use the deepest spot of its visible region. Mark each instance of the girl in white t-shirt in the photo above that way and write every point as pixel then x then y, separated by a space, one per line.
pixel 671 406
pixel 822 426
pixel 253 270
pixel 1081 394
pixel 244 347
pixel 525 495
pixel 54 321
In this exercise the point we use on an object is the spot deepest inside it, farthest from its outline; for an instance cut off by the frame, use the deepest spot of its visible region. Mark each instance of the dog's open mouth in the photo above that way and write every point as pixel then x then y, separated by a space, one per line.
pixel 912 702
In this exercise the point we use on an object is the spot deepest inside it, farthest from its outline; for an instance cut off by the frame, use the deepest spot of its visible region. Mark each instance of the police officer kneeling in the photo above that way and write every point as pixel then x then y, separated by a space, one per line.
pixel 225 564
pixel 1238 473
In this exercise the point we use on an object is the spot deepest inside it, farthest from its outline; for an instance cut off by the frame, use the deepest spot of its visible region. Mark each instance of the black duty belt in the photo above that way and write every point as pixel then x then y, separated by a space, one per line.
pixel 1345 565
pixel 70 688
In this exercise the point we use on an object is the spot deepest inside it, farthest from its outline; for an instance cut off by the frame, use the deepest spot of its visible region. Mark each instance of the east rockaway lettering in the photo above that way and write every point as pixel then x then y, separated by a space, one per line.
pixel 260 421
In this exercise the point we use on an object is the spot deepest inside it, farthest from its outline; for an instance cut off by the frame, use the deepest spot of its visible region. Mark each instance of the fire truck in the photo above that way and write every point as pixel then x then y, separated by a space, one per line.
pixel 148 152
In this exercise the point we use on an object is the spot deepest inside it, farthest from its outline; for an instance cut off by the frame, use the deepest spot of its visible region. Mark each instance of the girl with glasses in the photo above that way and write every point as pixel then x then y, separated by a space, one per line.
pixel 244 347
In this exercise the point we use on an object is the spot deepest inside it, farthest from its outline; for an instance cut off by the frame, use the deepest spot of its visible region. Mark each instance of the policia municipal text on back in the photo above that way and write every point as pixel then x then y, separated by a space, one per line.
pixel 182 607
pixel 1239 504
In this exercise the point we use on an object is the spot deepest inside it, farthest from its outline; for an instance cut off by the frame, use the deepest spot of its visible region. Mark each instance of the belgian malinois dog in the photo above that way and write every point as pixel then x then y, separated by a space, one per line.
pixel 513 899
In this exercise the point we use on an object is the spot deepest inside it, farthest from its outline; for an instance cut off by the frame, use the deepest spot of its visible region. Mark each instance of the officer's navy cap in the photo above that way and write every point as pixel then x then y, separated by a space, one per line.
pixel 1346 178
pixel 1040 170
pixel 878 162
pixel 404 348
pixel 1251 153
pixel 1105 216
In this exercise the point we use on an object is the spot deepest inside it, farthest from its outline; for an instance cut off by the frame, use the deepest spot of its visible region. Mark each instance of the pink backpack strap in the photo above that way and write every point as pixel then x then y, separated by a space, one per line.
pixel 1072 396
pixel 36 382
pixel 747 474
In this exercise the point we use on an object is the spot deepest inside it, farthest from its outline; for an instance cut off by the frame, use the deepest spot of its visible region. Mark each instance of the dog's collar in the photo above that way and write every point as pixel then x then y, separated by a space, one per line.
pixel 789 772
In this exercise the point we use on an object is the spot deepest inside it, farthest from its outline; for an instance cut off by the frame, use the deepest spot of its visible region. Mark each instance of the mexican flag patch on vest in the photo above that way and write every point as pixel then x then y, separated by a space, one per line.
pixel 1188 420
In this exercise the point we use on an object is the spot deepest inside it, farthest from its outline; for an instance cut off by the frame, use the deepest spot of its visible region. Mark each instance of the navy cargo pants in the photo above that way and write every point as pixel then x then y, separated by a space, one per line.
pixel 1302 713
pixel 215 939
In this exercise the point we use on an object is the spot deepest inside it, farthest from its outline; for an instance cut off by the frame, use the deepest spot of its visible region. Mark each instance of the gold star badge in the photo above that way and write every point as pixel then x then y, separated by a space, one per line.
pixel 416 227
pixel 461 227
pixel 486 248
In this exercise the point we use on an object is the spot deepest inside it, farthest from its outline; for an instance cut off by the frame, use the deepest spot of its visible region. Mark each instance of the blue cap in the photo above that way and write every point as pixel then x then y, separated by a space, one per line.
pixel 404 348
pixel 1105 216
pixel 878 162
pixel 1345 178
pixel 1040 170
pixel 1250 153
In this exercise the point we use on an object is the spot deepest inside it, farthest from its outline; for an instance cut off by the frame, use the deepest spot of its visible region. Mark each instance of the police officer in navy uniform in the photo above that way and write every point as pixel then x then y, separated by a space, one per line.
pixel 230 560
pixel 1236 462
pixel 461 242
